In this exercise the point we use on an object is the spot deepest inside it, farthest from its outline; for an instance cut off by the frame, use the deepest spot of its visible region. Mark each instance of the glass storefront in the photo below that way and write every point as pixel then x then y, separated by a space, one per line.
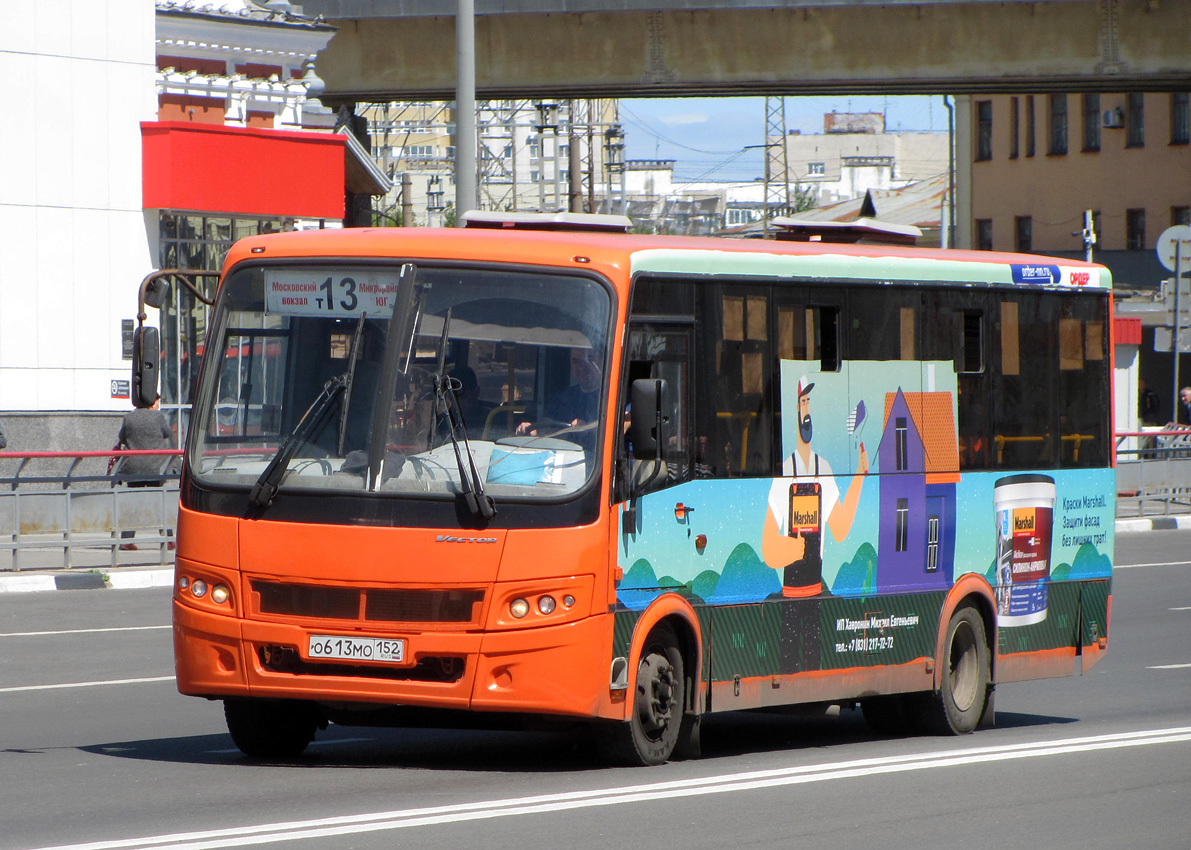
pixel 194 241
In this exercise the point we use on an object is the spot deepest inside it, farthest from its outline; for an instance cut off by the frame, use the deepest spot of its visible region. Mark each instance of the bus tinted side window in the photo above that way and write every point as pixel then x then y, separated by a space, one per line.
pixel 1083 381
pixel 956 329
pixel 736 379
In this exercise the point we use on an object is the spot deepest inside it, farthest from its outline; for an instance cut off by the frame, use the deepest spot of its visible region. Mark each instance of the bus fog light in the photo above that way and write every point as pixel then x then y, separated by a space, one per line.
pixel 568 601
pixel 546 604
pixel 518 608
pixel 199 588
pixel 184 582
pixel 220 593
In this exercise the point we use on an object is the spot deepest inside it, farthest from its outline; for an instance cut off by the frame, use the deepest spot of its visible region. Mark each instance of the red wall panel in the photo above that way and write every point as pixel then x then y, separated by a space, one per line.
pixel 247 171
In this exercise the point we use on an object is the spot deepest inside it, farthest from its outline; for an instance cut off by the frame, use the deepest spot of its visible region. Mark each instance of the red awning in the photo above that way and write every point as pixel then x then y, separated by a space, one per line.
pixel 241 170
pixel 1126 331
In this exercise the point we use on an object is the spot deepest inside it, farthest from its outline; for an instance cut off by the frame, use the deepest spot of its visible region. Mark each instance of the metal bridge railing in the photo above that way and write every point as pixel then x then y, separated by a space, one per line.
pixel 1154 471
pixel 56 509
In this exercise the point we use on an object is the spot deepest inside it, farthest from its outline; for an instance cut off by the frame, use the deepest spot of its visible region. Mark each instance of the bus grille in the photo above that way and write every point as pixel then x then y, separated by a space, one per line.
pixel 372 605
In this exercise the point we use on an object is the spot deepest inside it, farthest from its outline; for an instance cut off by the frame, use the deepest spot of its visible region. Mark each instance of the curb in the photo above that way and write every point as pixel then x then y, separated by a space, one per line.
pixel 128 579
pixel 1158 523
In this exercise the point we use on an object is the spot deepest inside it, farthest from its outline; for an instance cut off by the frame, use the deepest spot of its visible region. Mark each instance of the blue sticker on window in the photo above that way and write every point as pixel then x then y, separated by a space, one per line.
pixel 520 468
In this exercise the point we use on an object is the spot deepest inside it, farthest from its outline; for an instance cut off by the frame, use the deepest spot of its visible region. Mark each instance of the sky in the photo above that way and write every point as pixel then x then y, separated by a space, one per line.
pixel 708 136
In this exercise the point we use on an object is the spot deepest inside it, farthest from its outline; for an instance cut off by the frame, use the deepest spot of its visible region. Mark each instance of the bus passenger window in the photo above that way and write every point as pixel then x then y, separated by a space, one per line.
pixel 971 347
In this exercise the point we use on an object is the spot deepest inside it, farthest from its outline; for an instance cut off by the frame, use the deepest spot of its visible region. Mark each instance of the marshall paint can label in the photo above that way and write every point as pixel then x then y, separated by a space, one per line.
pixel 1025 515
pixel 804 576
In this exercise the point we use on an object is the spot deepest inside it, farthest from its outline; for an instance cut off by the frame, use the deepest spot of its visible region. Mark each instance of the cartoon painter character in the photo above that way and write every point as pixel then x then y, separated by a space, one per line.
pixel 792 539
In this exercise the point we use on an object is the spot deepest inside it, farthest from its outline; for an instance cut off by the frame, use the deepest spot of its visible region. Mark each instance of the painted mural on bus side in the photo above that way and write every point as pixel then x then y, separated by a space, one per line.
pixel 870 510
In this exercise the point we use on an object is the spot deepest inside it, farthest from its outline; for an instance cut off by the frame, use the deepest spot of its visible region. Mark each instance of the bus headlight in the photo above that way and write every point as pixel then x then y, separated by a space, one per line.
pixel 220 593
pixel 519 608
pixel 546 604
pixel 199 588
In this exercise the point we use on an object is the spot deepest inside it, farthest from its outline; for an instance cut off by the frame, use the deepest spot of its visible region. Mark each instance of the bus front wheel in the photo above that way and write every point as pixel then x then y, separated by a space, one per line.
pixel 656 716
pixel 270 728
pixel 956 708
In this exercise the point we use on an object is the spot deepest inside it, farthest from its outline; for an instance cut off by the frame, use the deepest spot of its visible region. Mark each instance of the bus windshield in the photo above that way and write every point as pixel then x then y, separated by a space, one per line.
pixel 487 380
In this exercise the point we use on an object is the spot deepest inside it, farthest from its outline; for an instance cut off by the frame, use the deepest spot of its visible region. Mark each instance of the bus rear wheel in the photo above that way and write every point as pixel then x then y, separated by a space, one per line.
pixel 271 728
pixel 956 708
pixel 656 717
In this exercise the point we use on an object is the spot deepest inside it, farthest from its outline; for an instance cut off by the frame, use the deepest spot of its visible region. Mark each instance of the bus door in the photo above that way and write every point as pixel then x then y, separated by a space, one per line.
pixel 657 543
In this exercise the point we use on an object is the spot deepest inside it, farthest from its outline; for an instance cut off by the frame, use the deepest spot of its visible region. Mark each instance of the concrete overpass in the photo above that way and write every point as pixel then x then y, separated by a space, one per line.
pixel 405 49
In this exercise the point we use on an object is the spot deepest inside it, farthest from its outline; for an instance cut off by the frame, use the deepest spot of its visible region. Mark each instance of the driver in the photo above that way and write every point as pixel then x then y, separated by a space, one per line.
pixel 579 403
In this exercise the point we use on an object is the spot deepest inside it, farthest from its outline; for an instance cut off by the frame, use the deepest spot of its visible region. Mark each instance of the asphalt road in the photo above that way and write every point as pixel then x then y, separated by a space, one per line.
pixel 98 750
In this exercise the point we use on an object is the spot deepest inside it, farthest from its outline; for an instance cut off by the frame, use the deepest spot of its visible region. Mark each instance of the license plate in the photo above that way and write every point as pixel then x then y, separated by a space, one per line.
pixel 357 648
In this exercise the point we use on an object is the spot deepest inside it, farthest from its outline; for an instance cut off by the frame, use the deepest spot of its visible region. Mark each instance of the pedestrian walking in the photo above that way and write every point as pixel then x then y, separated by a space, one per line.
pixel 145 429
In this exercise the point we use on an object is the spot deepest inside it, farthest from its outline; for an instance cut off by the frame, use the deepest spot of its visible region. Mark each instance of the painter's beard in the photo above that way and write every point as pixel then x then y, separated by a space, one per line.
pixel 804 428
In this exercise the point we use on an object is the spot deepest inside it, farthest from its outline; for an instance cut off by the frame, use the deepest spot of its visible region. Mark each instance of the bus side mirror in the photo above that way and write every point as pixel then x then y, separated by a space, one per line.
pixel 146 364
pixel 154 290
pixel 649 425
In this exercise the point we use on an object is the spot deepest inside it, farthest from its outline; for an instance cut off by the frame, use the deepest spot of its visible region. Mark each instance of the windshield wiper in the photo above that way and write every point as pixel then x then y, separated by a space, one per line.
pixel 478 503
pixel 264 491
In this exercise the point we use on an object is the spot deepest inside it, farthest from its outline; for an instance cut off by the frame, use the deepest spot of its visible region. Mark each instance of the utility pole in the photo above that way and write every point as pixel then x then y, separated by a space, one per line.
pixel 465 109
pixel 777 168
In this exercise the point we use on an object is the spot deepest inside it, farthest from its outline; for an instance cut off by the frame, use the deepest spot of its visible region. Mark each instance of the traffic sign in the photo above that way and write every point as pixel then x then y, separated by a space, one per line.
pixel 1179 235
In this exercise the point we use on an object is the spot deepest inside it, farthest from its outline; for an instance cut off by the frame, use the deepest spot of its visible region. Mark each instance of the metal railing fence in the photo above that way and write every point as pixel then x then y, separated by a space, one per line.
pixel 57 510
pixel 1154 471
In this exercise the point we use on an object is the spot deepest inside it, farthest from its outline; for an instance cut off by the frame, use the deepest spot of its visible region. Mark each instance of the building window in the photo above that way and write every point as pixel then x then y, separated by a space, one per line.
pixel 1180 118
pixel 983 130
pixel 984 234
pixel 1135 230
pixel 1180 215
pixel 903 524
pixel 1091 122
pixel 1023 234
pixel 816 168
pixel 1135 120
pixel 1058 125
pixel 1014 126
pixel 1030 125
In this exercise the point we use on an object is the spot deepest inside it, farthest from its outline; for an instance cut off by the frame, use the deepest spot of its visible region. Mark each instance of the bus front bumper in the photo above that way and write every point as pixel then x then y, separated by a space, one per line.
pixel 557 670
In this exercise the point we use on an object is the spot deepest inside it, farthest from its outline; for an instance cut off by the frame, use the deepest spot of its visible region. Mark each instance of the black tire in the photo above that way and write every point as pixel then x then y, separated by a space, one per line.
pixel 656 716
pixel 271 728
pixel 956 708
pixel 888 714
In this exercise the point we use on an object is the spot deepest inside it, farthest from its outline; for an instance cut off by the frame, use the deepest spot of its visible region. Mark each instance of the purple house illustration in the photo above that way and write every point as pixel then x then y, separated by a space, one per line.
pixel 919 463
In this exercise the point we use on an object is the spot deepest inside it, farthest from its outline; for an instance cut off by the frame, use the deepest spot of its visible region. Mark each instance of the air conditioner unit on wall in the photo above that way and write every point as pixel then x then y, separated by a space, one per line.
pixel 1114 118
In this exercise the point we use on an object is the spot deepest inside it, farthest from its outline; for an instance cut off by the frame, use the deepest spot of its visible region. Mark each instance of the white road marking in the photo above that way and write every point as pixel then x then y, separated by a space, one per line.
pixel 1169 667
pixel 66 685
pixel 614 796
pixel 1162 564
pixel 83 631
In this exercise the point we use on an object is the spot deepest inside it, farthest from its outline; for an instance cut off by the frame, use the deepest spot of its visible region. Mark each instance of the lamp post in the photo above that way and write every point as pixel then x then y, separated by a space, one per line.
pixel 614 161
pixel 547 120
pixel 465 109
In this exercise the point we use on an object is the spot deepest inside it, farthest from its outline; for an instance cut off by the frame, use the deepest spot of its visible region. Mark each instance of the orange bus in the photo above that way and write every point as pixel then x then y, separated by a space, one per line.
pixel 543 468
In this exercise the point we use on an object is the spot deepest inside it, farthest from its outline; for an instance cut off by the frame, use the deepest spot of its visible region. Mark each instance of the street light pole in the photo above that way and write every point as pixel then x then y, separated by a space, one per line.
pixel 465 109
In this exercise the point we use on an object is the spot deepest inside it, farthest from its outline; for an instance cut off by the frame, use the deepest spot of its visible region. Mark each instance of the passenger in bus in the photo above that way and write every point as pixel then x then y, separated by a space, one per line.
pixel 467 397
pixel 576 405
